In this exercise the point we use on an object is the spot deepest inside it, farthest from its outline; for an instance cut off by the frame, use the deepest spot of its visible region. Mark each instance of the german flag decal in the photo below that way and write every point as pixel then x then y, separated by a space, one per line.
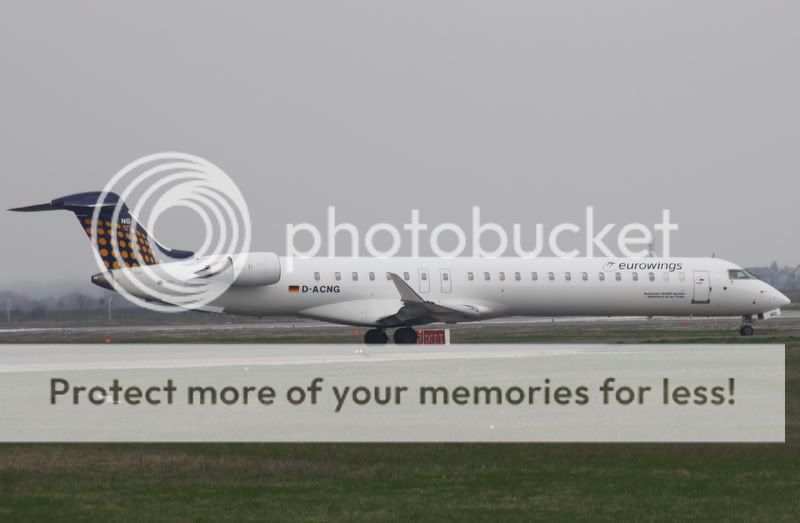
pixel 294 288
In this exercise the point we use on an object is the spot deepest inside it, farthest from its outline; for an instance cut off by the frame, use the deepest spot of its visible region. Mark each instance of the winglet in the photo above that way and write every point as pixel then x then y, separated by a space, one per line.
pixel 407 294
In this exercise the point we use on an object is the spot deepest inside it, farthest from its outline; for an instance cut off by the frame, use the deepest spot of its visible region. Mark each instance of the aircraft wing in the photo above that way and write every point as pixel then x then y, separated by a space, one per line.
pixel 410 309
pixel 416 310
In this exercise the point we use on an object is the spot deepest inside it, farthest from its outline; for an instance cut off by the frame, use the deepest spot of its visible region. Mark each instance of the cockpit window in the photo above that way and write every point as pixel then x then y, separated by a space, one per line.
pixel 740 274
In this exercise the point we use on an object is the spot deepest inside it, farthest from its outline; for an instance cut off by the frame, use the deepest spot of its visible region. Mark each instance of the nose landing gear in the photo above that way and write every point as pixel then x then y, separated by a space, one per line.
pixel 746 328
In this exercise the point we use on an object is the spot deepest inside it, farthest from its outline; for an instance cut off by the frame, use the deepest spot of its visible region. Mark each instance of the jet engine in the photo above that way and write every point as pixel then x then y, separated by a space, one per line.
pixel 255 269
pixel 252 269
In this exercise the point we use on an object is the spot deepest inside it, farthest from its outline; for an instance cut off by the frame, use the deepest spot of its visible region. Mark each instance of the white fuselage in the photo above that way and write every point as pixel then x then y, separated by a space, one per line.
pixel 357 291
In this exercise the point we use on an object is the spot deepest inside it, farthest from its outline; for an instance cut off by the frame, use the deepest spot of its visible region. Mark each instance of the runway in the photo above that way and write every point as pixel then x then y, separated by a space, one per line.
pixel 50 358
pixel 309 331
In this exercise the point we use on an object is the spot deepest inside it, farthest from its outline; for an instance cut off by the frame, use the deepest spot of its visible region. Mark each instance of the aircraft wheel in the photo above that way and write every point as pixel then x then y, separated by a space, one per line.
pixel 405 335
pixel 375 337
pixel 746 330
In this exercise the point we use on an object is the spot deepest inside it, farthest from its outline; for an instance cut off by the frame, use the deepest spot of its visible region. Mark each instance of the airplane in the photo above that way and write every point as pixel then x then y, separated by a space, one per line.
pixel 403 293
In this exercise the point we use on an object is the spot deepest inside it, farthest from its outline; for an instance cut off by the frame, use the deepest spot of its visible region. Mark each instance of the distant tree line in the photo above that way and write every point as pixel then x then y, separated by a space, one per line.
pixel 80 308
pixel 784 278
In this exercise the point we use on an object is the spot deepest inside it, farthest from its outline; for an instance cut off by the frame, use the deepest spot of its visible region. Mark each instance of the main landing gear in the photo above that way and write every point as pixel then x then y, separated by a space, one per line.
pixel 376 337
pixel 403 335
pixel 746 328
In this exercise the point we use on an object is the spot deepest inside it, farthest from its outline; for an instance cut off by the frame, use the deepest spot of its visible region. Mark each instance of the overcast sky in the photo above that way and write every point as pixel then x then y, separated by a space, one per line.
pixel 530 110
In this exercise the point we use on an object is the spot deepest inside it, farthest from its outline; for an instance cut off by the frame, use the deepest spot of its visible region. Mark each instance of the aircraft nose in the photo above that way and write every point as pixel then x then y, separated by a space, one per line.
pixel 783 299
pixel 777 297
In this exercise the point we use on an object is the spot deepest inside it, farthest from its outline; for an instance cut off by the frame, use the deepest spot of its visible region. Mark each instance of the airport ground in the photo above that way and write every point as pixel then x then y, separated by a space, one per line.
pixel 378 482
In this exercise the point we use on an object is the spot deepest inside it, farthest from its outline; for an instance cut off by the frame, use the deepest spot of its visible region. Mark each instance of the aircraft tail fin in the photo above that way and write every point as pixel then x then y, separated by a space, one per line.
pixel 121 241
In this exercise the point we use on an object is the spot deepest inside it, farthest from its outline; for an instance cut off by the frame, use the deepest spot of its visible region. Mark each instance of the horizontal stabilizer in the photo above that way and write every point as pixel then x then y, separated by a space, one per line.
pixel 36 208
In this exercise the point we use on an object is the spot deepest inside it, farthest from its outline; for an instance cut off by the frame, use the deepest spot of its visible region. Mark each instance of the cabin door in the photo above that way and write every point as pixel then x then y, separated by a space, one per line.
pixel 702 287
pixel 444 276
pixel 424 281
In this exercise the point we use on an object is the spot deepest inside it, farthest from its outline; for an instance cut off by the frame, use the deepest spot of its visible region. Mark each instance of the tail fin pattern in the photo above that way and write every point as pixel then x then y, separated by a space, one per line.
pixel 120 243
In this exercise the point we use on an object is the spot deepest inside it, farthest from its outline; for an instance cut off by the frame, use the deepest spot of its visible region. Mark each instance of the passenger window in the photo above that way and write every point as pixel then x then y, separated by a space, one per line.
pixel 445 276
pixel 534 276
pixel 635 276
pixel 551 276
pixel 486 276
pixel 568 276
pixel 406 276
pixel 681 276
pixel 372 276
pixel 316 276
pixel 502 276
pixel 355 276
pixel 601 276
pixel 424 276
pixel 517 276
pixel 619 276
pixel 470 276
pixel 652 276
pixel 338 276
pixel 585 276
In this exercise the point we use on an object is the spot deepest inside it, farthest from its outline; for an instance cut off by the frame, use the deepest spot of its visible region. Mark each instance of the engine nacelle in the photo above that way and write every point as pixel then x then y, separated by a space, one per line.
pixel 255 269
